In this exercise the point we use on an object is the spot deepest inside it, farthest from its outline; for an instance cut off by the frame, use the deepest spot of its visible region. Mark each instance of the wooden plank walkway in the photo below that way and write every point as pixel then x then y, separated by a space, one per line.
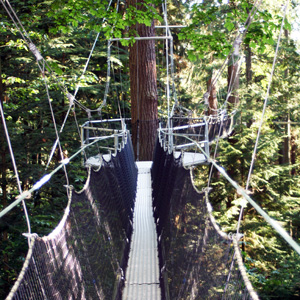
pixel 142 276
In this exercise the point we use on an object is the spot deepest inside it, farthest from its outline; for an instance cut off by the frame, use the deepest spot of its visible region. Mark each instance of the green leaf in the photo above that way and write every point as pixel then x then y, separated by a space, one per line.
pixel 229 25
pixel 252 44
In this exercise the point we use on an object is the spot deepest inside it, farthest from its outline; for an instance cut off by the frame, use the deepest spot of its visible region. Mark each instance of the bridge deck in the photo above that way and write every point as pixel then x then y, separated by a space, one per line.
pixel 142 277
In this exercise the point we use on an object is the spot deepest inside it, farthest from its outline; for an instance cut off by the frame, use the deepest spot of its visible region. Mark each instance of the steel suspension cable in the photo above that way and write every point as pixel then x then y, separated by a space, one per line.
pixel 263 113
pixel 15 170
pixel 48 176
pixel 218 137
pixel 55 128
pixel 239 38
pixel 274 223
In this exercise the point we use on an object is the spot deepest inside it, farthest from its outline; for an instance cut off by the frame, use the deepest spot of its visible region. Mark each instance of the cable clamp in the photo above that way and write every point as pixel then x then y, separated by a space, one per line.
pixel 230 235
pixel 236 46
pixel 27 195
pixel 242 29
pixel 30 235
pixel 70 187
pixel 121 273
pixel 239 236
pixel 65 161
pixel 207 189
pixel 35 51
pixel 71 99
pixel 88 111
pixel 205 98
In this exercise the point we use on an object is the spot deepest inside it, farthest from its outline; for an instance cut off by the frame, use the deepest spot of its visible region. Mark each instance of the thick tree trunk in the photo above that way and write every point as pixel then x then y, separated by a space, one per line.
pixel 143 90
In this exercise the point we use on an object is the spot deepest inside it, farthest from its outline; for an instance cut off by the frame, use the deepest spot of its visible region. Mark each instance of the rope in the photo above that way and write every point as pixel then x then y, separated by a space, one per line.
pixel 55 128
pixel 88 60
pixel 121 83
pixel 263 114
pixel 72 98
pixel 15 169
pixel 281 231
pixel 167 60
pixel 23 271
pixel 137 94
pixel 47 177
pixel 39 58
pixel 117 91
pixel 239 260
pixel 107 78
pixel 66 255
pixel 239 38
pixel 222 118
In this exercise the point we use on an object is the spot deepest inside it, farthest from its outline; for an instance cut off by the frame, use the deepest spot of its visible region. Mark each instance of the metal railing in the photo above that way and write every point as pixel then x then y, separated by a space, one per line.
pixel 174 138
pixel 115 129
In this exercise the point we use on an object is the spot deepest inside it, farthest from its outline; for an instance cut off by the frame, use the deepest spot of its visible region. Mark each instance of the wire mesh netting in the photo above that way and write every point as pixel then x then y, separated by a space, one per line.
pixel 86 255
pixel 197 260
pixel 203 129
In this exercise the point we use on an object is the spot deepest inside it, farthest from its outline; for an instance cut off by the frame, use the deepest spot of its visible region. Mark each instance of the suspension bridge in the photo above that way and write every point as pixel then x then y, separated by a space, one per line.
pixel 132 231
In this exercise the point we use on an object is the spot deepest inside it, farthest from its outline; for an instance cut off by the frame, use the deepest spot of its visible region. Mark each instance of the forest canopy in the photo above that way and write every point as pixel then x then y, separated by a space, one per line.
pixel 64 33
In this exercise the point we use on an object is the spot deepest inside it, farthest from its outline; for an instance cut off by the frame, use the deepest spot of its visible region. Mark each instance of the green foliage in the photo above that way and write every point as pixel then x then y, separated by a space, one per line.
pixel 27 112
pixel 89 14
pixel 64 32
pixel 214 26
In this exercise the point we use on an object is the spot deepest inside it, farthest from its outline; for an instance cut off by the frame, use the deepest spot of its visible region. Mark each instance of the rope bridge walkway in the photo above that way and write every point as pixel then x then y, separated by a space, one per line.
pixel 182 255
pixel 109 224
pixel 86 255
pixel 142 276
pixel 197 260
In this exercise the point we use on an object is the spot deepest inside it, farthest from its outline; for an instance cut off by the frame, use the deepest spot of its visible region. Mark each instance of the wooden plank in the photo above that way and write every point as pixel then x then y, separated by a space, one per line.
pixel 142 275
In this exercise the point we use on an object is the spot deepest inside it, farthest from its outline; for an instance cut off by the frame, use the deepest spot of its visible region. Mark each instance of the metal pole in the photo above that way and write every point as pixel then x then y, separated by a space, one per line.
pixel 206 144
pixel 143 38
pixel 116 142
pixel 171 26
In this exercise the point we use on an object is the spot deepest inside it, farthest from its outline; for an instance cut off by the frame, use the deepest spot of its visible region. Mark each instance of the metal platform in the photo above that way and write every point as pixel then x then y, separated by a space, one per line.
pixel 191 158
pixel 142 275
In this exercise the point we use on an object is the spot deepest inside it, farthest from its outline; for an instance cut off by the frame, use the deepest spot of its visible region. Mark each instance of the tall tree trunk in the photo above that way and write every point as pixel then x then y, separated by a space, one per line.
pixel 143 90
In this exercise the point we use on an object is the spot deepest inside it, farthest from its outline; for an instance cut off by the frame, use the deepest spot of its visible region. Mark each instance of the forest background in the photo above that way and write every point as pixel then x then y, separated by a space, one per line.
pixel 64 32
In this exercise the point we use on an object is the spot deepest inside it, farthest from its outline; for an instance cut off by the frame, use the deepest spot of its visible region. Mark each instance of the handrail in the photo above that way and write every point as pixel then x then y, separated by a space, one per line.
pixel 275 224
pixel 47 177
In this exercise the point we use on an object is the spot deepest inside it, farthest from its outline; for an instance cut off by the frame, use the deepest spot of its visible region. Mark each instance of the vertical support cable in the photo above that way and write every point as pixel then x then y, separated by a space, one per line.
pixel 138 104
pixel 170 137
pixel 263 114
pixel 16 170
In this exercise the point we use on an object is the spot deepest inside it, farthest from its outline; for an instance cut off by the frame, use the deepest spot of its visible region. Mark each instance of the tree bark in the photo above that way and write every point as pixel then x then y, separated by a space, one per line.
pixel 143 90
